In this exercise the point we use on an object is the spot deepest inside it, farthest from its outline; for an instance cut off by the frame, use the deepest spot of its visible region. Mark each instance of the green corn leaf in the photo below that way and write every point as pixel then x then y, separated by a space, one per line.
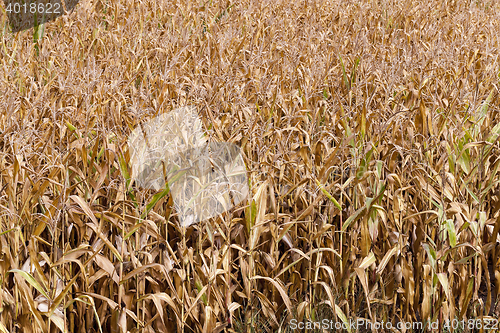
pixel 154 200
pixel 343 318
pixel 452 235
pixel 431 253
pixel 481 116
pixel 344 75
pixel 328 195
pixel 31 280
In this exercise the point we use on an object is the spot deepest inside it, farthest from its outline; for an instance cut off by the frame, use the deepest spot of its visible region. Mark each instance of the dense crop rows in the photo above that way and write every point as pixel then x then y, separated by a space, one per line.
pixel 368 128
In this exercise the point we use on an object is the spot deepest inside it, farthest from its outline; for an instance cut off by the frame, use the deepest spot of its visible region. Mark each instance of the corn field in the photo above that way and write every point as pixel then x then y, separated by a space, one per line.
pixel 370 135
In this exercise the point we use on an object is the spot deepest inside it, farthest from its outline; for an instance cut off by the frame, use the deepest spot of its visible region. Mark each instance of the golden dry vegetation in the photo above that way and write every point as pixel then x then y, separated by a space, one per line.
pixel 370 134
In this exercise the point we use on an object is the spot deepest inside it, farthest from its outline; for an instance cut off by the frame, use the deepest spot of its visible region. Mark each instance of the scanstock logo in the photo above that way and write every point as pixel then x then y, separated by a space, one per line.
pixel 171 152
pixel 25 14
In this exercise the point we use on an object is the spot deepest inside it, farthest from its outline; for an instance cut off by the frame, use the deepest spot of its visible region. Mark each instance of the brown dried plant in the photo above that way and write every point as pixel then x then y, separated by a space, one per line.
pixel 370 134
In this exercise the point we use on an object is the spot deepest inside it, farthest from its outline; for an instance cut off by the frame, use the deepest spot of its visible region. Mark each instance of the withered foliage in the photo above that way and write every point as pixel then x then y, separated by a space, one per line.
pixel 369 130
